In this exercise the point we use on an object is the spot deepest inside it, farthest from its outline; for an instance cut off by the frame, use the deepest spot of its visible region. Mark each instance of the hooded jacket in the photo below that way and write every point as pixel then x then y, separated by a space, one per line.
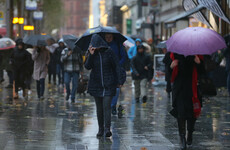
pixel 105 69
pixel 133 50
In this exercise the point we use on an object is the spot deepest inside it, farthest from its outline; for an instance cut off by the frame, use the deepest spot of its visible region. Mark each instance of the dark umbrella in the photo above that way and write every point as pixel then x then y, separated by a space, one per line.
pixel 33 39
pixel 70 40
pixel 84 40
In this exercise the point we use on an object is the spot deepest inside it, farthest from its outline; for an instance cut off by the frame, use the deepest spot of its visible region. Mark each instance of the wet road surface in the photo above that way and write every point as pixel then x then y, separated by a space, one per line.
pixel 57 124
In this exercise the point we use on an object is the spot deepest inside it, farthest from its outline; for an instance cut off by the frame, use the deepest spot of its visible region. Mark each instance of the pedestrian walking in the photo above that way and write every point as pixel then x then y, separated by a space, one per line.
pixel 19 59
pixel 30 68
pixel 53 60
pixel 141 65
pixel 133 50
pixel 167 62
pixel 60 65
pixel 227 65
pixel 104 79
pixel 187 100
pixel 73 66
pixel 117 48
pixel 41 58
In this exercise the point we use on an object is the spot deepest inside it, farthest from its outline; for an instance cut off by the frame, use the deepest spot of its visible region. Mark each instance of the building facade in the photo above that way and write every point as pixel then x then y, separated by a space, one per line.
pixel 77 17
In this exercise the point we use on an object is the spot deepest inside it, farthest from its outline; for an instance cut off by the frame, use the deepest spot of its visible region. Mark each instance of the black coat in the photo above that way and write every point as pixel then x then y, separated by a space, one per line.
pixel 138 63
pixel 57 54
pixel 105 70
pixel 20 59
pixel 182 87
pixel 167 61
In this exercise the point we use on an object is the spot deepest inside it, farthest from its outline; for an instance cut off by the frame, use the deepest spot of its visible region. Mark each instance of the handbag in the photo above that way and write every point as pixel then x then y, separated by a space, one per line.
pixel 207 87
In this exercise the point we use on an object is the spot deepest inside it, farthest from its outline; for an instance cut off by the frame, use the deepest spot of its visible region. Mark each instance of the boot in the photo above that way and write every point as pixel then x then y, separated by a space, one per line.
pixel 137 100
pixel 182 132
pixel 189 138
pixel 108 133
pixel 144 99
pixel 100 132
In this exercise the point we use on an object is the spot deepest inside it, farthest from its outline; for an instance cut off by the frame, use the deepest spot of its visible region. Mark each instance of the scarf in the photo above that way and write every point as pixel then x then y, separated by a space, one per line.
pixel 195 100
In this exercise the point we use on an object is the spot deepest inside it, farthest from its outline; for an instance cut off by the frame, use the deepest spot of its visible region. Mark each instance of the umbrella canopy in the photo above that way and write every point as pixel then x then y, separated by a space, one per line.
pixel 138 36
pixel 6 43
pixel 129 42
pixel 195 41
pixel 33 39
pixel 70 40
pixel 84 40
pixel 161 45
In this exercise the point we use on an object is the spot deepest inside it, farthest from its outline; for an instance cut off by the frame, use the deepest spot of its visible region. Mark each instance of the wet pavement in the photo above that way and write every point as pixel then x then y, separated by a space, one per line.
pixel 57 124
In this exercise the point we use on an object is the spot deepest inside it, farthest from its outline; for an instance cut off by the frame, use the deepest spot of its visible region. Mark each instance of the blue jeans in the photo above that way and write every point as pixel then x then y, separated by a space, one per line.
pixel 74 76
pixel 115 98
pixel 40 87
pixel 228 81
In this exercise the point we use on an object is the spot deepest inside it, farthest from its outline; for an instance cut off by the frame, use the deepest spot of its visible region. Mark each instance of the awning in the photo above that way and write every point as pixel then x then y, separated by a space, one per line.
pixel 184 15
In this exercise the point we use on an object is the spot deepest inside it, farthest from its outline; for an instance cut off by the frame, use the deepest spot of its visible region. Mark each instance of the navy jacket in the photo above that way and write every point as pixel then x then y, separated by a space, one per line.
pixel 105 69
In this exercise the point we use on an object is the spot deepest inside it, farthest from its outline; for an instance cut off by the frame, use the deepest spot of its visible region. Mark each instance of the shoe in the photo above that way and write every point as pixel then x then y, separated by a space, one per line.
pixel 120 109
pixel 16 96
pixel 144 99
pixel 168 94
pixel 108 133
pixel 9 86
pixel 42 98
pixel 137 100
pixel 72 100
pixel 25 93
pixel 100 132
pixel 189 138
pixel 183 142
pixel 54 83
pixel 114 110
pixel 67 97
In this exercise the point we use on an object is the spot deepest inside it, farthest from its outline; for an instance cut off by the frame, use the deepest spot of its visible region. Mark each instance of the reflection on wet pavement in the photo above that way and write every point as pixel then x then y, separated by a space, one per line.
pixel 56 124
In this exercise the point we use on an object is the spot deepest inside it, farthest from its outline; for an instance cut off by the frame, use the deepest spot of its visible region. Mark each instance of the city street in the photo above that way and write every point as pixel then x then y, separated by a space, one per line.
pixel 55 124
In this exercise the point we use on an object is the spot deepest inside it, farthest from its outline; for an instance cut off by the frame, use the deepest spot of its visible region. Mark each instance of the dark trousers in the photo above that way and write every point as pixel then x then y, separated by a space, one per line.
pixel 182 124
pixel 60 73
pixel 168 87
pixel 103 105
pixel 40 87
pixel 19 78
pixel 54 77
pixel 10 76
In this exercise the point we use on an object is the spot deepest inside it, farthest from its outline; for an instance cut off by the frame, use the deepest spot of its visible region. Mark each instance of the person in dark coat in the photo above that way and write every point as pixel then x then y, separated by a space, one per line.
pixel 104 79
pixel 60 65
pixel 118 49
pixel 141 65
pixel 53 60
pixel 226 53
pixel 19 59
pixel 167 62
pixel 185 96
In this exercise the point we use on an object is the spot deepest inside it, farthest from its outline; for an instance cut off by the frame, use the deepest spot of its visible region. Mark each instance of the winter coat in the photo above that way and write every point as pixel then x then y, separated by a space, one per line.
pixel 182 86
pixel 227 56
pixel 20 59
pixel 57 54
pixel 118 50
pixel 72 63
pixel 53 60
pixel 167 61
pixel 138 63
pixel 133 50
pixel 41 60
pixel 105 69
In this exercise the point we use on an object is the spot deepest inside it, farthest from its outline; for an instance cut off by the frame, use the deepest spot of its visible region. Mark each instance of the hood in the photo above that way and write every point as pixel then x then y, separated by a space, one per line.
pixel 61 41
pixel 98 42
pixel 138 40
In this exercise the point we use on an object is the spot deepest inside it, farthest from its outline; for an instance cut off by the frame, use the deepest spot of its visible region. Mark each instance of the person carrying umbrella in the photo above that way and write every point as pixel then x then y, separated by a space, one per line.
pixel 41 58
pixel 187 67
pixel 133 50
pixel 60 66
pixel 104 79
pixel 19 60
pixel 121 54
pixel 73 66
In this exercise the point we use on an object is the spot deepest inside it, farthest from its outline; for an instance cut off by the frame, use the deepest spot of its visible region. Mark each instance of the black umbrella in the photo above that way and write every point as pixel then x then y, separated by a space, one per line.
pixel 70 40
pixel 33 39
pixel 84 41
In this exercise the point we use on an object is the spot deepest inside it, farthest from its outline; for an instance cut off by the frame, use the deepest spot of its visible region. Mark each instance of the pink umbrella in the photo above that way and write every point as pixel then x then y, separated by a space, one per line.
pixel 195 41
pixel 6 43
